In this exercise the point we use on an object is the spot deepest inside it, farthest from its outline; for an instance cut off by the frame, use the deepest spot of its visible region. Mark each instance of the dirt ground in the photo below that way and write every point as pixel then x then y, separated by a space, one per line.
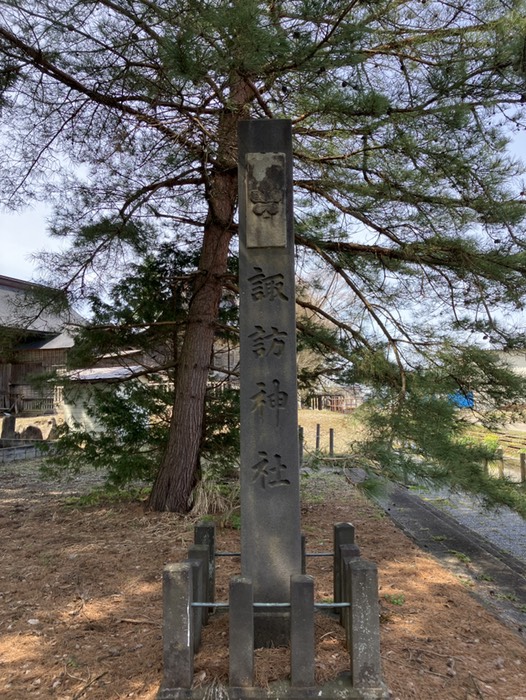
pixel 80 600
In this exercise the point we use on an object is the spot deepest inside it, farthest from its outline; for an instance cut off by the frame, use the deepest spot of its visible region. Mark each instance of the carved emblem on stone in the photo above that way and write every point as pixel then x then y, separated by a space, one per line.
pixel 266 204
pixel 266 224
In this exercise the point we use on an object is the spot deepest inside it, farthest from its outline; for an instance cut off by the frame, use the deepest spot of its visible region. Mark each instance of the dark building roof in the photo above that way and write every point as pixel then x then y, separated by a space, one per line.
pixel 19 310
pixel 61 341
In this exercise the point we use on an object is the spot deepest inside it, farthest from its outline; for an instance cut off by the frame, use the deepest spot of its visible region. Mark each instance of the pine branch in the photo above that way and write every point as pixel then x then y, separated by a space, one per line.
pixel 46 67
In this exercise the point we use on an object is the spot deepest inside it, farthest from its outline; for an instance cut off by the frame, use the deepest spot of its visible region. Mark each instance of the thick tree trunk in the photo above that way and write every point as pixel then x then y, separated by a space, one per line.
pixel 176 477
pixel 178 471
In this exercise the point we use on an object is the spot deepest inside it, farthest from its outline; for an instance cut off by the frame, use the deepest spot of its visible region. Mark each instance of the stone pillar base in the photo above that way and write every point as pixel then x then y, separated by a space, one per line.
pixel 291 624
pixel 340 689
pixel 271 629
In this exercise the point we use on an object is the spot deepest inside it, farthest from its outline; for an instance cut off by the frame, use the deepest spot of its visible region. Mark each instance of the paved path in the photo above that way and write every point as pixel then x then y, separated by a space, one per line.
pixel 502 526
pixel 495 576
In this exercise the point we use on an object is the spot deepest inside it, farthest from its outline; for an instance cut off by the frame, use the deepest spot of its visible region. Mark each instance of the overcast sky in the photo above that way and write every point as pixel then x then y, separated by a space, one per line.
pixel 24 234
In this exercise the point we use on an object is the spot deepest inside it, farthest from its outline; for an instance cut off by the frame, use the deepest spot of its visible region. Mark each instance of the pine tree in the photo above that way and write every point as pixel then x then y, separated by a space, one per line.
pixel 125 112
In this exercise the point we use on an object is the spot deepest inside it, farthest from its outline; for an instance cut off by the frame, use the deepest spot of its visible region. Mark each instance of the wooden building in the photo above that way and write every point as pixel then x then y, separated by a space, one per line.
pixel 33 341
pixel 340 400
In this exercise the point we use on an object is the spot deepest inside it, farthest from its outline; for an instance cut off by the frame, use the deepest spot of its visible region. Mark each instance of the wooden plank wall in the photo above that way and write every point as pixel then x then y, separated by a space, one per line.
pixel 5 379
pixel 15 380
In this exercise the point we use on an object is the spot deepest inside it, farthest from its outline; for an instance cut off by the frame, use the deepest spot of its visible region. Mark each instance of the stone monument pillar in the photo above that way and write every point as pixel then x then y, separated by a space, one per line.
pixel 271 603
pixel 270 504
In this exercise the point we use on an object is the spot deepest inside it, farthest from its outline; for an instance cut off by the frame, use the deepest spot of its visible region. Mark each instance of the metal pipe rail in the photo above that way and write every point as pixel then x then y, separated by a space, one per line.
pixel 269 605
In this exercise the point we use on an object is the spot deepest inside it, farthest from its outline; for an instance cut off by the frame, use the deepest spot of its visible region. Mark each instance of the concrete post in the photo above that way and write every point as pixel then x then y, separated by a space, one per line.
pixel 302 647
pixel 348 552
pixel 201 552
pixel 343 534
pixel 178 626
pixel 241 638
pixel 197 597
pixel 364 624
pixel 8 428
pixel 205 533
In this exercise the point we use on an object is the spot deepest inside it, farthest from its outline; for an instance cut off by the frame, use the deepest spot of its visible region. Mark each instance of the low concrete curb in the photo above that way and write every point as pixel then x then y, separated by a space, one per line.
pixel 19 453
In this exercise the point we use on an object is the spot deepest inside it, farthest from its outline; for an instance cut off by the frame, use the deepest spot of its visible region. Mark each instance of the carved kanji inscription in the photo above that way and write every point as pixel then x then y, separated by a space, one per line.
pixel 265 343
pixel 267 287
pixel 269 398
pixel 269 465
pixel 270 471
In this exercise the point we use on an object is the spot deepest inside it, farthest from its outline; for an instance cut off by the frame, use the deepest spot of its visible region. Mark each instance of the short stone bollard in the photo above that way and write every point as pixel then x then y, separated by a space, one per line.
pixel 201 553
pixel 364 629
pixel 178 626
pixel 343 534
pixel 348 552
pixel 241 638
pixel 205 533
pixel 7 433
pixel 302 647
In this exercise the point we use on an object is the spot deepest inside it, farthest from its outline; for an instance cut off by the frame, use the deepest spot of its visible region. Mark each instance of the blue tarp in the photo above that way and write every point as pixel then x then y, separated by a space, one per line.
pixel 462 399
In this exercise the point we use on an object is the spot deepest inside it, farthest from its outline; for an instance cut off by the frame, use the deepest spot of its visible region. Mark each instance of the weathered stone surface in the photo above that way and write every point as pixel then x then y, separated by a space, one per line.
pixel 32 432
pixel 265 199
pixel 302 646
pixel 348 552
pixel 241 638
pixel 205 533
pixel 270 511
pixel 364 624
pixel 197 597
pixel 340 689
pixel 201 553
pixel 178 624
pixel 8 427
pixel 343 533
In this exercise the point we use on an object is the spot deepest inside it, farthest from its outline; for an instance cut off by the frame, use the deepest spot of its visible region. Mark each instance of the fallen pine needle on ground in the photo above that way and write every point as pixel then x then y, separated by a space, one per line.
pixel 81 605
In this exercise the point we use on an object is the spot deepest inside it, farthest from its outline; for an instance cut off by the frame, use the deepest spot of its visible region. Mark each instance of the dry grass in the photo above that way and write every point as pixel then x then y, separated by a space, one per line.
pixel 345 426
